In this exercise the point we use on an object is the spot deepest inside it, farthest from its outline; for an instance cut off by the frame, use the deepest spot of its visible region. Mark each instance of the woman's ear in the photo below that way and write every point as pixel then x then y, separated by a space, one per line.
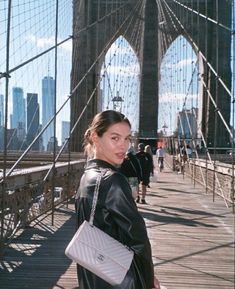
pixel 94 137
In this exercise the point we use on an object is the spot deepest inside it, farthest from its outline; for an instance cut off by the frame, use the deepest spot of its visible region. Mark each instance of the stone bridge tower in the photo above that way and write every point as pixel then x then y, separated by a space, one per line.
pixel 97 24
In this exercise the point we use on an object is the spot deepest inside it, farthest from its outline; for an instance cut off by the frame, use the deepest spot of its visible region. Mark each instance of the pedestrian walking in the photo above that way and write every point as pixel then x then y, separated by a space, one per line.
pixel 146 165
pixel 132 170
pixel 106 142
pixel 160 157
pixel 189 152
pixel 148 150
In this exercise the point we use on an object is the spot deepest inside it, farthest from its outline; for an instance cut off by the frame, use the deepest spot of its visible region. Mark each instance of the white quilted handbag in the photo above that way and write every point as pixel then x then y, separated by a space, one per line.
pixel 97 251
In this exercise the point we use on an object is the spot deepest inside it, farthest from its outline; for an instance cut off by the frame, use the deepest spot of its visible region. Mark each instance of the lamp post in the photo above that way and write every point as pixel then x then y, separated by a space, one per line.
pixel 117 102
pixel 164 129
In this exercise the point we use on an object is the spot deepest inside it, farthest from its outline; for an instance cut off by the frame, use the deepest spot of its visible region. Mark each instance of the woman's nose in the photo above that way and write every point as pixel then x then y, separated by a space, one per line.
pixel 125 144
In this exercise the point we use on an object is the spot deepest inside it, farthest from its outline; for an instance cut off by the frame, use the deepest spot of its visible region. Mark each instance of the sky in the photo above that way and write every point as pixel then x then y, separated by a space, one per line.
pixel 178 86
pixel 121 78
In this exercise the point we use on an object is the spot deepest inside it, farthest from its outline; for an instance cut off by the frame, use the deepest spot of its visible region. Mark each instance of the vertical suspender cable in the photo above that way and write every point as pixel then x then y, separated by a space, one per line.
pixel 98 98
pixel 5 122
pixel 233 106
pixel 203 101
pixel 88 48
pixel 216 95
pixel 54 121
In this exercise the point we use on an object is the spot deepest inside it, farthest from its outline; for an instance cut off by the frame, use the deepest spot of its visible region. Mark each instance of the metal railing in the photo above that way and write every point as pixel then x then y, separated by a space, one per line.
pixel 27 195
pixel 217 179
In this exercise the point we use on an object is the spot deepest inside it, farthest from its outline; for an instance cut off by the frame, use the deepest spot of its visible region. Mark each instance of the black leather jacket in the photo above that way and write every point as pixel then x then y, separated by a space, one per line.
pixel 116 214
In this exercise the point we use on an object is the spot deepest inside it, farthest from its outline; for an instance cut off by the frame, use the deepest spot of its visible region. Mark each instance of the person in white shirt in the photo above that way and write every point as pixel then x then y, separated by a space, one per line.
pixel 189 151
pixel 160 157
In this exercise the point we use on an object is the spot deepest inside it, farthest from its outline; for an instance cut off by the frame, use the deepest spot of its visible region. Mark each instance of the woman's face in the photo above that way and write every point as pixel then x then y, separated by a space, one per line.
pixel 113 144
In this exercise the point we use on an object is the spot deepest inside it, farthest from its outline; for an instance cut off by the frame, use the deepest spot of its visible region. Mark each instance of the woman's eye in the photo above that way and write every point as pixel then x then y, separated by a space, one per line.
pixel 115 138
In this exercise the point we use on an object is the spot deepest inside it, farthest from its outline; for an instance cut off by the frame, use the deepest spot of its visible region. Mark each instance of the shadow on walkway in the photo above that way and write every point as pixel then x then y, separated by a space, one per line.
pixel 36 259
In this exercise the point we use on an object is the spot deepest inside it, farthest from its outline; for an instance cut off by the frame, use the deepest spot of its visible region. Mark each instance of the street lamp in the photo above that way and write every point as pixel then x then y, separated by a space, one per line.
pixel 164 128
pixel 117 102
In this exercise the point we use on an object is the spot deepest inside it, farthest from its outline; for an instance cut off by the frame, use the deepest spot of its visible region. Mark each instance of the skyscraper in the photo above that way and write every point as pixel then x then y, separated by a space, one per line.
pixel 65 125
pixel 1 110
pixel 32 119
pixel 48 100
pixel 187 124
pixel 65 130
pixel 18 115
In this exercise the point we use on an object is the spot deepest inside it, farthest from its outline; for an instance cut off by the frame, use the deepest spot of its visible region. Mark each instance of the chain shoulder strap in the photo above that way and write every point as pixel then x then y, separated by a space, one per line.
pixel 95 197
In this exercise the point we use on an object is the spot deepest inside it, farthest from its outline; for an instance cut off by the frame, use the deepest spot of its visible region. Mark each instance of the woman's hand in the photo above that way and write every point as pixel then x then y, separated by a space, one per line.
pixel 156 283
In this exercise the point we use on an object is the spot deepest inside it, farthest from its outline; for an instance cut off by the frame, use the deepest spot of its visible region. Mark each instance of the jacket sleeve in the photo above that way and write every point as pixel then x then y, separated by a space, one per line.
pixel 130 223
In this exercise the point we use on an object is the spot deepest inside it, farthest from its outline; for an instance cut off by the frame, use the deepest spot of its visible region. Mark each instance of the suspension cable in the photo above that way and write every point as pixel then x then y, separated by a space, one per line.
pixel 129 20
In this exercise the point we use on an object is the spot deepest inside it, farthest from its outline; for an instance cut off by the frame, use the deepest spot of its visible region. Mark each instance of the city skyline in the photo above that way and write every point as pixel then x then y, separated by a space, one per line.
pixel 37 23
pixel 24 112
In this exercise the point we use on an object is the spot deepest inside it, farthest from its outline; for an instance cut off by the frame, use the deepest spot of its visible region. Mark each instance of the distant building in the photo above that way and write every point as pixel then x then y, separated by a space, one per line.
pixel 48 100
pixel 65 130
pixel 12 140
pixel 50 145
pixel 1 110
pixel 20 131
pixel 18 114
pixel 32 119
pixel 1 138
pixel 40 140
pixel 187 124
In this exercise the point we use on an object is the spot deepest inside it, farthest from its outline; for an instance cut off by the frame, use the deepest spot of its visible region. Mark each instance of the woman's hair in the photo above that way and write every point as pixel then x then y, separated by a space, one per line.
pixel 100 124
pixel 148 149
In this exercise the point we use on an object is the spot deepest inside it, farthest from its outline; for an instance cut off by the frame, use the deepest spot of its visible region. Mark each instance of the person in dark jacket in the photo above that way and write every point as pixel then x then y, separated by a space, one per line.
pixel 132 170
pixel 147 167
pixel 148 150
pixel 106 142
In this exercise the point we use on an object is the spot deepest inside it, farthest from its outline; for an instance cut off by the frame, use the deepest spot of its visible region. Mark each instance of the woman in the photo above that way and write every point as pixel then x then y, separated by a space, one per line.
pixel 146 166
pixel 148 150
pixel 106 142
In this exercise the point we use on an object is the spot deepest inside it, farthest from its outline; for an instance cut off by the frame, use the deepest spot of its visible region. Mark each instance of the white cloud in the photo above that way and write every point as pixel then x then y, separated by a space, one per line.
pixel 67 45
pixel 45 42
pixel 170 97
pixel 131 69
pixel 41 42
pixel 180 64
pixel 185 62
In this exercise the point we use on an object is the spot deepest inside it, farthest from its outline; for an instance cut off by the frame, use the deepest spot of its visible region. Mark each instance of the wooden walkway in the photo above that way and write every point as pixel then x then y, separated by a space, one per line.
pixel 192 241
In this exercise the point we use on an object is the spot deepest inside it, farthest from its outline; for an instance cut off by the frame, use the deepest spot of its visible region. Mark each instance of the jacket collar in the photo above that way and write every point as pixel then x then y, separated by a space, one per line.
pixel 96 164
